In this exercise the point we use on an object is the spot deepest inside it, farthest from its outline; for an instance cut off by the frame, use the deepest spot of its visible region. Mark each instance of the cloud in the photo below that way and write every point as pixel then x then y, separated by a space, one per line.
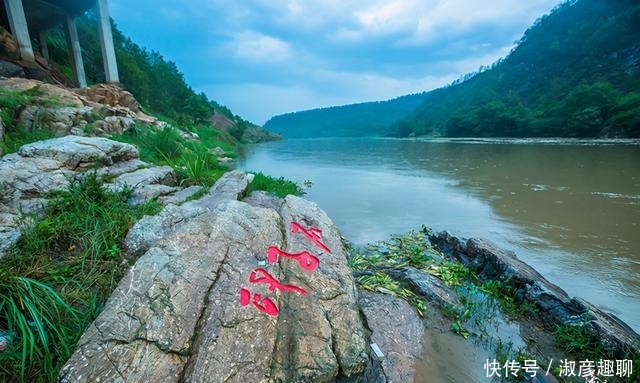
pixel 265 57
pixel 258 47
pixel 258 101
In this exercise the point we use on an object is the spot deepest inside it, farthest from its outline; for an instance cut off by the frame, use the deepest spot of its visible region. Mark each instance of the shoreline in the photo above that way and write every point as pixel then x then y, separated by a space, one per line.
pixel 534 318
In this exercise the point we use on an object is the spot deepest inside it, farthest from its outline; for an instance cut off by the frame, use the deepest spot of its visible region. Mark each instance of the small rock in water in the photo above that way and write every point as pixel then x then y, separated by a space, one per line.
pixel 383 249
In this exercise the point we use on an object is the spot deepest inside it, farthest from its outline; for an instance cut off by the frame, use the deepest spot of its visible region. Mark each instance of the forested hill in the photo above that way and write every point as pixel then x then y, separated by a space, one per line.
pixel 154 81
pixel 365 119
pixel 575 73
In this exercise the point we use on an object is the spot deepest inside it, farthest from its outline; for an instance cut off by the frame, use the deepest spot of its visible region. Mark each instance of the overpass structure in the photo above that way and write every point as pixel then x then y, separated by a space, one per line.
pixel 29 19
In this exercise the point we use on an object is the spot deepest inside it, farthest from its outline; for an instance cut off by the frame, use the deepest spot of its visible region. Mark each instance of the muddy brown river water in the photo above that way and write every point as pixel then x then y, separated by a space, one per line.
pixel 571 209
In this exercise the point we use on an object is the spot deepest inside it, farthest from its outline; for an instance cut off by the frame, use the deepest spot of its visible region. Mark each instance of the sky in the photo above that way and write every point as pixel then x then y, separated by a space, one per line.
pixel 262 58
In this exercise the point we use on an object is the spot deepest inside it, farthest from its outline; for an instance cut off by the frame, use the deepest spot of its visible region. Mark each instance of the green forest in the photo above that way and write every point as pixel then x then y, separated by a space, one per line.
pixel 574 73
pixel 154 81
pixel 365 119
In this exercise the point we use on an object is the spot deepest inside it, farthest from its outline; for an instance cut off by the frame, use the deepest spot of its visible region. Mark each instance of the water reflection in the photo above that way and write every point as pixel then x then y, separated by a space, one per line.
pixel 572 211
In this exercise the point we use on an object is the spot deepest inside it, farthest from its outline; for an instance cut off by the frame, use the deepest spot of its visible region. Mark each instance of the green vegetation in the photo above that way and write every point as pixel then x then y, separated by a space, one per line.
pixel 411 249
pixel 154 81
pixel 11 101
pixel 574 73
pixel 479 299
pixel 365 119
pixel 191 159
pixel 382 283
pixel 577 340
pixel 280 187
pixel 63 269
pixel 571 75
pixel 507 352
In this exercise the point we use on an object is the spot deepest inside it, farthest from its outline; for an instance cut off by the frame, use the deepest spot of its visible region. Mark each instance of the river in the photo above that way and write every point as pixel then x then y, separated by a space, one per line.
pixel 571 209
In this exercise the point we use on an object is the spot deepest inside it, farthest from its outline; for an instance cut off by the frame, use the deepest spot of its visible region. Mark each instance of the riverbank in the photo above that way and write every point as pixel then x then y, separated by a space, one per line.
pixel 78 168
pixel 84 219
pixel 175 314
pixel 504 309
pixel 570 211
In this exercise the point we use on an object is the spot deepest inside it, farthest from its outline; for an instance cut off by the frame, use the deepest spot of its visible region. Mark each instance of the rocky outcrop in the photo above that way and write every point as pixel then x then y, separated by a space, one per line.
pixel 179 314
pixel 147 183
pixel 64 96
pixel 41 167
pixel 101 110
pixel 110 94
pixel 556 307
pixel 396 330
pixel 429 287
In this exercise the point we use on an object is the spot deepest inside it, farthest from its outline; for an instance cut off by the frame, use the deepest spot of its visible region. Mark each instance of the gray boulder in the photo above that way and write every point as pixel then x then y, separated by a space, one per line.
pixel 41 167
pixel 176 315
pixel 397 330
pixel 74 152
pixel 147 183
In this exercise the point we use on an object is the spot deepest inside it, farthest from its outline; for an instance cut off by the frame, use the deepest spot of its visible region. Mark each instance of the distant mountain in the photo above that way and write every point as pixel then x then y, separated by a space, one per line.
pixel 365 119
pixel 574 73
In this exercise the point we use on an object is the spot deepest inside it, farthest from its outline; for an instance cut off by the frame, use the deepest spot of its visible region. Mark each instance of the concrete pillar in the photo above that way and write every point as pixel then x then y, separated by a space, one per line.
pixel 106 42
pixel 73 43
pixel 42 35
pixel 18 23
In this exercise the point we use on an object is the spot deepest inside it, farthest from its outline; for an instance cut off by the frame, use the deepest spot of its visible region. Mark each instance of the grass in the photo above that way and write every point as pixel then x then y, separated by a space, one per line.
pixel 577 340
pixel 191 160
pixel 280 187
pixel 383 283
pixel 453 273
pixel 413 249
pixel 211 138
pixel 16 137
pixel 55 281
pixel 507 353
pixel 10 102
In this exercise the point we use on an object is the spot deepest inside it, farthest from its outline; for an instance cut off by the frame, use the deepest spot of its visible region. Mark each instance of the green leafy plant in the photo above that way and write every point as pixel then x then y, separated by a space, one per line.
pixel 281 187
pixel 56 279
pixel 577 340
pixel 383 283
pixel 38 315
pixel 453 273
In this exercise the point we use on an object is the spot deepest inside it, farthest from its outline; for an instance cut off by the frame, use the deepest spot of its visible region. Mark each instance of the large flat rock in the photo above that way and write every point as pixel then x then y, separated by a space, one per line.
pixel 75 151
pixel 176 316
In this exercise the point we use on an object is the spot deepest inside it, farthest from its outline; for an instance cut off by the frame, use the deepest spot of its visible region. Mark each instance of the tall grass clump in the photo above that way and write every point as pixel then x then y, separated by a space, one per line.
pixel 280 187
pixel 154 145
pixel 54 282
pixel 191 160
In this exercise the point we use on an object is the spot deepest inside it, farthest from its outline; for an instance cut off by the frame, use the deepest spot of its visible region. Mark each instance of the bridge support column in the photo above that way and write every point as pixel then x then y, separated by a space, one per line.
pixel 18 23
pixel 73 43
pixel 42 35
pixel 106 42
